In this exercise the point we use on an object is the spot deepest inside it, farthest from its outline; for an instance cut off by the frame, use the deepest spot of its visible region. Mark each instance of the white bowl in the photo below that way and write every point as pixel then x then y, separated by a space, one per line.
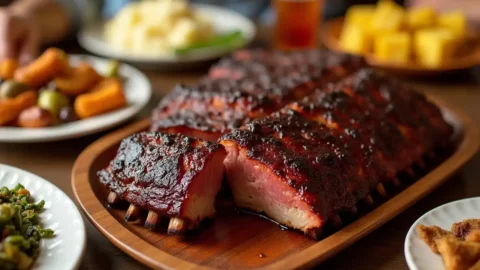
pixel 224 20
pixel 65 250
pixel 137 91
pixel 418 254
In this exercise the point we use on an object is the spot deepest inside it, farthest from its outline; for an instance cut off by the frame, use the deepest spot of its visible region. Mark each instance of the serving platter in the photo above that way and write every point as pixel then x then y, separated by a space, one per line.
pixel 137 92
pixel 236 240
pixel 224 20
pixel 467 58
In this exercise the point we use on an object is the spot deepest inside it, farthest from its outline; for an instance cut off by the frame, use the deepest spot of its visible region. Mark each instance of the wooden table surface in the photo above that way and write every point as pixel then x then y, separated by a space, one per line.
pixel 382 249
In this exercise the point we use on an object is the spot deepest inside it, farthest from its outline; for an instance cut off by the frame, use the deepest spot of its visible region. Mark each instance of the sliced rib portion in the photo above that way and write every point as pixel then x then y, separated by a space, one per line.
pixel 316 157
pixel 220 103
pixel 171 175
pixel 294 170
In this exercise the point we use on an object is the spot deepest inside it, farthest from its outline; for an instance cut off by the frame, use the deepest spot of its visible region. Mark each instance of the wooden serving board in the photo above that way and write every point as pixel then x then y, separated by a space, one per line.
pixel 467 57
pixel 239 241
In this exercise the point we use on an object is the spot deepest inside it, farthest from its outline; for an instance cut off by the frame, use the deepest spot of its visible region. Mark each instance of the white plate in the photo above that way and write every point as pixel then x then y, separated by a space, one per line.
pixel 224 20
pixel 418 254
pixel 137 91
pixel 65 250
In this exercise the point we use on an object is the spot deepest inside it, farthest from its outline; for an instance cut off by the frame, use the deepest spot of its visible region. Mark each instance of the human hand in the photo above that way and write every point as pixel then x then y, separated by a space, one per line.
pixel 19 37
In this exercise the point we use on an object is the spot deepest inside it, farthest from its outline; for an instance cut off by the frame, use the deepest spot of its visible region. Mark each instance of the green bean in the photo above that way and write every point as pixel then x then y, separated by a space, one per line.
pixel 220 41
pixel 20 228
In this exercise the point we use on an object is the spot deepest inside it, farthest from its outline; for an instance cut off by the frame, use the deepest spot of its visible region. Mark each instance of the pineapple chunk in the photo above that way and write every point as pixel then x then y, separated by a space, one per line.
pixel 360 15
pixel 355 39
pixel 388 17
pixel 419 18
pixel 434 46
pixel 455 21
pixel 393 47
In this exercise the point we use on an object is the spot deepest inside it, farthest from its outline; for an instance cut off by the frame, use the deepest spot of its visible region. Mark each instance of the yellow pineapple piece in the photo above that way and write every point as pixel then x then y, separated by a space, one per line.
pixel 455 21
pixel 360 15
pixel 434 46
pixel 355 39
pixel 388 17
pixel 393 47
pixel 418 18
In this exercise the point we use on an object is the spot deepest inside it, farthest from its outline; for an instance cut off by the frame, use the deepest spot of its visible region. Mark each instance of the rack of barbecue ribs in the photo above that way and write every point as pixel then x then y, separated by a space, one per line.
pixel 300 159
pixel 268 81
pixel 168 175
pixel 303 165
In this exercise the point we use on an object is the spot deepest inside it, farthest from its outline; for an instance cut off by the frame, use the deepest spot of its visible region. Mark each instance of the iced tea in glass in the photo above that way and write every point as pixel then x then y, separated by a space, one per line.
pixel 297 23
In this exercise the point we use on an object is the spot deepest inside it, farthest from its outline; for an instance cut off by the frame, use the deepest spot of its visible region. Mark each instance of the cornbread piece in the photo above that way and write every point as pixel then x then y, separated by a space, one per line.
pixel 356 39
pixel 393 47
pixel 458 254
pixel 462 229
pixel 246 86
pixel 418 18
pixel 429 234
pixel 455 21
pixel 434 47
pixel 473 236
pixel 388 17
pixel 169 175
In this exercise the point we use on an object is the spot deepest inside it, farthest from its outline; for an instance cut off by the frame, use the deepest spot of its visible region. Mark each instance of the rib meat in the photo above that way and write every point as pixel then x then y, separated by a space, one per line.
pixel 171 175
pixel 221 103
pixel 321 155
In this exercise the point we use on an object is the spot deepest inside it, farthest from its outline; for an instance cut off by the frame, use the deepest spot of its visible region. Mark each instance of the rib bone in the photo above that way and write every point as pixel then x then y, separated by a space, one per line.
pixel 133 213
pixel 177 226
pixel 152 221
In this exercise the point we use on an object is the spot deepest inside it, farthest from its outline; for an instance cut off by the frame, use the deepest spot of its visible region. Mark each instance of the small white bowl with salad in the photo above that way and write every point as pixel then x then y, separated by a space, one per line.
pixel 164 34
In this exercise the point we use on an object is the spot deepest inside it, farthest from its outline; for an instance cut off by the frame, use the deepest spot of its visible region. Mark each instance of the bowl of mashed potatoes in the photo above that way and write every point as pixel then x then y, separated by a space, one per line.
pixel 162 33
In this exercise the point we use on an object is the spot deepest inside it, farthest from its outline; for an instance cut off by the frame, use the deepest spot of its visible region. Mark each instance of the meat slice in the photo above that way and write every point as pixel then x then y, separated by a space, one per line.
pixel 169 175
pixel 248 63
pixel 293 169
pixel 221 103
pixel 304 164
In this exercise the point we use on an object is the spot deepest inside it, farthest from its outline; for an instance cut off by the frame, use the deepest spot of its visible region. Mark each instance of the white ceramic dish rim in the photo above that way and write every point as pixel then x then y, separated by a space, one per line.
pixel 411 232
pixel 43 182
pixel 90 38
pixel 138 91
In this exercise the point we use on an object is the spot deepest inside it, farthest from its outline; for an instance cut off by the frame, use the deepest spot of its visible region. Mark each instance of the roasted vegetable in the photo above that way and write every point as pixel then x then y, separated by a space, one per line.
pixel 10 109
pixel 35 117
pixel 112 70
pixel 52 101
pixel 105 97
pixel 11 89
pixel 8 68
pixel 78 81
pixel 20 227
pixel 50 64
pixel 223 41
pixel 67 114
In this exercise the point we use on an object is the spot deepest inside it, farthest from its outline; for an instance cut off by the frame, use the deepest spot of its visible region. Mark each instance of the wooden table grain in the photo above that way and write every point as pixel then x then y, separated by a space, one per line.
pixel 382 249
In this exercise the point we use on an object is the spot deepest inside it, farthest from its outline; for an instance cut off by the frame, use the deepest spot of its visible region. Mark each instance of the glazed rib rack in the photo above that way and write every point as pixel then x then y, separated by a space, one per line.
pixel 303 165
pixel 246 86
pixel 169 175
pixel 300 150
